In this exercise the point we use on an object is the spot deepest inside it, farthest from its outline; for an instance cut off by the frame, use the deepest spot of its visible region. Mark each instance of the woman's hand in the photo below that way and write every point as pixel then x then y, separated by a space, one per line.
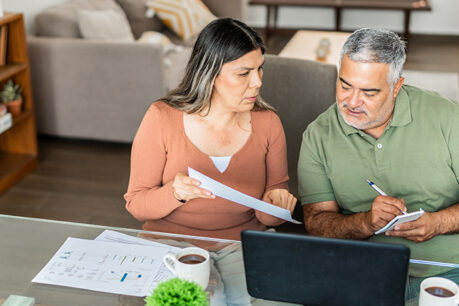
pixel 185 188
pixel 281 198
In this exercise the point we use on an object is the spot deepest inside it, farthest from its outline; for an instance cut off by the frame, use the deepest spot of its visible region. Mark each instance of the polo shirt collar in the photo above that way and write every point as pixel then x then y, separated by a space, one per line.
pixel 402 110
pixel 401 117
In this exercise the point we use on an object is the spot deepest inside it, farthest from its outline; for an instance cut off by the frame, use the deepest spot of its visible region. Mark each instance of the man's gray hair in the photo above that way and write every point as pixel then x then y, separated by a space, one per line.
pixel 377 46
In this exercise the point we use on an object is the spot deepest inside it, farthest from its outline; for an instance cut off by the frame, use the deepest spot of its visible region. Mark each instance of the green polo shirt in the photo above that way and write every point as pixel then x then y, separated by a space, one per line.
pixel 416 159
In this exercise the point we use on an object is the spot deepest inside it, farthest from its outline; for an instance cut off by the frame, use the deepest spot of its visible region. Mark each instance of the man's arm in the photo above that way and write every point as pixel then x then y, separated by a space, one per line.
pixel 445 221
pixel 324 218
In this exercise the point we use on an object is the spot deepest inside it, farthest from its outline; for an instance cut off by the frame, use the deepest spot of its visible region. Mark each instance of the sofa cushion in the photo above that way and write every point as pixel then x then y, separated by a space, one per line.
pixel 61 20
pixel 184 17
pixel 175 71
pixel 177 40
pixel 153 37
pixel 135 13
pixel 104 25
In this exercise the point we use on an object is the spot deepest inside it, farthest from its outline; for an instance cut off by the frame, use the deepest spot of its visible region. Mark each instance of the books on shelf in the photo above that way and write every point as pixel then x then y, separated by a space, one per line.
pixel 6 121
pixel 3 43
pixel 3 109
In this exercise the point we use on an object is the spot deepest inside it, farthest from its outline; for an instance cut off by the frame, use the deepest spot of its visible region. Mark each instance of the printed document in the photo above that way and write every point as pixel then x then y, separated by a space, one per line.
pixel 119 268
pixel 163 274
pixel 231 194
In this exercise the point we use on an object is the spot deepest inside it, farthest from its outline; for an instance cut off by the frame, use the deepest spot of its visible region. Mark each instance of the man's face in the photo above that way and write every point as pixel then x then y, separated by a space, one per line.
pixel 364 97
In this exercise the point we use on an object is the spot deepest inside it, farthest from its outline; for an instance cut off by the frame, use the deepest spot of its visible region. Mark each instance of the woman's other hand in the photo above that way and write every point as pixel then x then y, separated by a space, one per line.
pixel 186 188
pixel 281 198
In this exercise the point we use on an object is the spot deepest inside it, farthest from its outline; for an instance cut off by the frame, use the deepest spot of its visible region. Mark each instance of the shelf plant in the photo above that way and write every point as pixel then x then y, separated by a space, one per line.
pixel 11 96
pixel 177 292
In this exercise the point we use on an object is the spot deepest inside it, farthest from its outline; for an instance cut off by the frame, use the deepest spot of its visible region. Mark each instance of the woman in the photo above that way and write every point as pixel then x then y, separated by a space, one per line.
pixel 215 112
pixel 216 123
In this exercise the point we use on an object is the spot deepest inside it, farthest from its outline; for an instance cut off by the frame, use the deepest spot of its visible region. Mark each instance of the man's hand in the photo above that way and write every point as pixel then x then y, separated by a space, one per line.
pixel 384 209
pixel 422 229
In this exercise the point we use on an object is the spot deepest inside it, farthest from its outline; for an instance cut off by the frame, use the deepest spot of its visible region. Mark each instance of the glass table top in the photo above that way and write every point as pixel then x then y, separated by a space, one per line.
pixel 27 244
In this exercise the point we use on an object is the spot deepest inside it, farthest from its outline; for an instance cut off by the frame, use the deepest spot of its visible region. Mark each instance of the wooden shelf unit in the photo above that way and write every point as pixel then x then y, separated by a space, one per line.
pixel 18 145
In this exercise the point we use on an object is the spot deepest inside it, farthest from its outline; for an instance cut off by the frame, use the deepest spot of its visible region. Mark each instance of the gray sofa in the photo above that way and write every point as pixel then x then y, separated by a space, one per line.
pixel 299 90
pixel 100 89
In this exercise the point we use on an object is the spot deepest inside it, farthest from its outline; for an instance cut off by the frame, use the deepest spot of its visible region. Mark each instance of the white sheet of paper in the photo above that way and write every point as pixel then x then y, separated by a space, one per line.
pixel 114 236
pixel 399 220
pixel 104 266
pixel 163 273
pixel 231 194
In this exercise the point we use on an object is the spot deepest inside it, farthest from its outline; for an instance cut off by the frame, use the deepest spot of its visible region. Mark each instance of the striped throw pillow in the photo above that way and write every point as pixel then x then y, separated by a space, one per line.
pixel 185 17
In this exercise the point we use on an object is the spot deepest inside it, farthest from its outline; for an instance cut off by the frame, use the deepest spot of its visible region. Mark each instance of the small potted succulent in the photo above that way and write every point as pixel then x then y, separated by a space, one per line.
pixel 177 292
pixel 11 96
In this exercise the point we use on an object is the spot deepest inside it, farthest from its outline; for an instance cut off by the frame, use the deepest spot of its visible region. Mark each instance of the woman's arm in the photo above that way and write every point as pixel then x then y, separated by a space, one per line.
pixel 147 197
pixel 276 171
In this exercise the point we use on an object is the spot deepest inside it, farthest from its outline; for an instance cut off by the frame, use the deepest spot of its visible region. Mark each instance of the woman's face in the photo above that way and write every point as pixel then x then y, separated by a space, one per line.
pixel 237 86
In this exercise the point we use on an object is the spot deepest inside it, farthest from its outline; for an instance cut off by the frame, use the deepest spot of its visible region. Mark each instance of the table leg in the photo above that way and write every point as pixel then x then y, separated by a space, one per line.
pixel 406 29
pixel 268 22
pixel 271 21
pixel 337 19
pixel 276 15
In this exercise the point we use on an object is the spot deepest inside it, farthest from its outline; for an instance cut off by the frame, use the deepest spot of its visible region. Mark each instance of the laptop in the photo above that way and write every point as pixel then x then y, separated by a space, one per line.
pixel 323 271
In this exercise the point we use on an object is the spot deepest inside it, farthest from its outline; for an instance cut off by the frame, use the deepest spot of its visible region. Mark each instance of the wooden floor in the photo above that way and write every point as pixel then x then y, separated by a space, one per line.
pixel 84 181
pixel 80 181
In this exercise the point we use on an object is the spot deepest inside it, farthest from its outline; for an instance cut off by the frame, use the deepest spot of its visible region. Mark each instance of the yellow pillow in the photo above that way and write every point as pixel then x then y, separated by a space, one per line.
pixel 185 17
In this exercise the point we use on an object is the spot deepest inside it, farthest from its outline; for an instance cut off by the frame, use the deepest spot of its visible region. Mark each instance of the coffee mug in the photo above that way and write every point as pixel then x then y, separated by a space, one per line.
pixel 192 264
pixel 438 291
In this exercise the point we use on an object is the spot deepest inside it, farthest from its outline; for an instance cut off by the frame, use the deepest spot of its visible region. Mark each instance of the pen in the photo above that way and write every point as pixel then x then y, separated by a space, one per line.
pixel 379 190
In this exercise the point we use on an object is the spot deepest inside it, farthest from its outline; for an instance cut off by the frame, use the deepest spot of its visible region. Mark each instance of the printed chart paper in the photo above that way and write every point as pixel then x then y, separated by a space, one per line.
pixel 163 274
pixel 113 236
pixel 231 194
pixel 104 266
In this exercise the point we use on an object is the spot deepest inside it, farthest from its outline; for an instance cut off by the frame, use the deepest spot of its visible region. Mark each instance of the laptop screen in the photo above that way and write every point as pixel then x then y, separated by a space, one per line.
pixel 323 271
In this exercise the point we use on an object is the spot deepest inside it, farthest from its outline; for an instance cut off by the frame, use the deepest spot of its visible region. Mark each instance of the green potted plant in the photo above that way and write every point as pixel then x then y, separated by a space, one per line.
pixel 177 292
pixel 11 96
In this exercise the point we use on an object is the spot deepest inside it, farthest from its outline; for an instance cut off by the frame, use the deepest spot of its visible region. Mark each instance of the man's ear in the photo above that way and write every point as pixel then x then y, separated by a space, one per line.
pixel 397 86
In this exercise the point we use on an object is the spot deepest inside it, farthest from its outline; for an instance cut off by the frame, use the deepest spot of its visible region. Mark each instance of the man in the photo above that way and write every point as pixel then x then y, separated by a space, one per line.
pixel 404 139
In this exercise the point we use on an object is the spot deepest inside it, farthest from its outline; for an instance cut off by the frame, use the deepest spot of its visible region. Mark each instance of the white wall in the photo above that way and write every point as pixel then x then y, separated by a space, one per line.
pixel 441 20
pixel 29 8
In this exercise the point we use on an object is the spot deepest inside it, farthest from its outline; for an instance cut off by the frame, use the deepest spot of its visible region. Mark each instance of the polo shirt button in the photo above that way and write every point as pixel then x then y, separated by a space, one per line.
pixel 379 146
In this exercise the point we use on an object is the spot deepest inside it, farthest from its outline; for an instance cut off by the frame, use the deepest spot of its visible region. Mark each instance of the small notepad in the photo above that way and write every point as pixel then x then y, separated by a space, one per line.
pixel 401 219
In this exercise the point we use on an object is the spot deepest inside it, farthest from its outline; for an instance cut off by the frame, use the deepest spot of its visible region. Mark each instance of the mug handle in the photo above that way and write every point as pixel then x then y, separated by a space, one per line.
pixel 170 258
pixel 457 298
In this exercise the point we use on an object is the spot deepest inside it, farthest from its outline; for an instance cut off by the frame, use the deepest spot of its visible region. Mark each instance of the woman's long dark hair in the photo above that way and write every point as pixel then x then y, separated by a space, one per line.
pixel 221 41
